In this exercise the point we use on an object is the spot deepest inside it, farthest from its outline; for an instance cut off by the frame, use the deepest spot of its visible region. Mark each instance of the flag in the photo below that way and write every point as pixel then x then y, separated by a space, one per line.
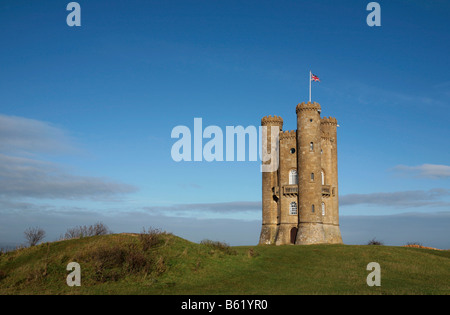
pixel 314 78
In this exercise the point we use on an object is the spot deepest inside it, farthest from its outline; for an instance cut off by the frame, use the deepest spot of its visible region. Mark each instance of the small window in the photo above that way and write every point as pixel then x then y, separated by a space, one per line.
pixel 312 208
pixel 293 208
pixel 311 146
pixel 310 120
pixel 293 177
pixel 312 177
pixel 323 208
pixel 323 178
pixel 292 151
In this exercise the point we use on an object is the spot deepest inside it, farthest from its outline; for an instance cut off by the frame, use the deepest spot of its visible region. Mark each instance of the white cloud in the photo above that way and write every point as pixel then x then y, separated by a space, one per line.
pixel 19 135
pixel 400 199
pixel 24 175
pixel 432 171
pixel 218 207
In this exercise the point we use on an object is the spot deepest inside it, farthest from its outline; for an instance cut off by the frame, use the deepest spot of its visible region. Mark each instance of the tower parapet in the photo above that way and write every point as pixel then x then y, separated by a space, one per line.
pixel 308 107
pixel 272 121
pixel 288 134
pixel 328 126
pixel 329 120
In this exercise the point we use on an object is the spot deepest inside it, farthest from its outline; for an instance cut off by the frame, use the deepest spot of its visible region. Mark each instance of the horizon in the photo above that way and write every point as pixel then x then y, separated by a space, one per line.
pixel 87 113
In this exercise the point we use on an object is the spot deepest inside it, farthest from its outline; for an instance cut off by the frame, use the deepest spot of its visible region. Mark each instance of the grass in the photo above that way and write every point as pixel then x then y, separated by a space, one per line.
pixel 166 264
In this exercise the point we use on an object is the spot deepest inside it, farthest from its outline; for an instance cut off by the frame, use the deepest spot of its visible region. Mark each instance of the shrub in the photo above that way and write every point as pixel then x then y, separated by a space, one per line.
pixel 34 235
pixel 223 247
pixel 374 242
pixel 108 257
pixel 136 261
pixel 112 262
pixel 108 262
pixel 150 238
pixel 86 231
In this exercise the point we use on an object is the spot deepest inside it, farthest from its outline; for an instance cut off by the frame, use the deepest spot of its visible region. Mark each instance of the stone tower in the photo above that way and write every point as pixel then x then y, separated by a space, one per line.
pixel 300 199
pixel 269 181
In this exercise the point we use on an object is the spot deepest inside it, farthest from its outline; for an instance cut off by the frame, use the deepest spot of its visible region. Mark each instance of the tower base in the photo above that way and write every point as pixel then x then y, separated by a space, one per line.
pixel 287 234
pixel 310 233
pixel 268 234
pixel 332 234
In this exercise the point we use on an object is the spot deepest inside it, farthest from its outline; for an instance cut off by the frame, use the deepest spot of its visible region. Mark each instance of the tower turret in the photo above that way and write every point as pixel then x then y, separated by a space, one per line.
pixel 270 183
pixel 330 207
pixel 310 230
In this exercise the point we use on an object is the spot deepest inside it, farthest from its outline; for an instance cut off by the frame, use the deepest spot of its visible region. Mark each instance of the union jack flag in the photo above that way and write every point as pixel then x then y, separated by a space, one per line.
pixel 314 78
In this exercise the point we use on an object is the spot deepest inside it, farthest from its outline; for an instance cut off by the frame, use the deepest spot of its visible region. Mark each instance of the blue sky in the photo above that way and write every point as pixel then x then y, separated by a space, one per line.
pixel 87 112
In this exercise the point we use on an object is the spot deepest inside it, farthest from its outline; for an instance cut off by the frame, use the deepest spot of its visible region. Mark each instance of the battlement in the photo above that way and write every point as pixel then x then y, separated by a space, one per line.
pixel 272 121
pixel 308 106
pixel 288 134
pixel 329 121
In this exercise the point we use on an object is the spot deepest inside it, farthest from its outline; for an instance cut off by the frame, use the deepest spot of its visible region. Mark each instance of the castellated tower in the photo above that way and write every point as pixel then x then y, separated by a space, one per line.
pixel 269 182
pixel 300 199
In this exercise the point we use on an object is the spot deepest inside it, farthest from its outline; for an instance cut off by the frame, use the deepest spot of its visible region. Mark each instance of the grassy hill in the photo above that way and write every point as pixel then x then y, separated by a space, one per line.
pixel 160 263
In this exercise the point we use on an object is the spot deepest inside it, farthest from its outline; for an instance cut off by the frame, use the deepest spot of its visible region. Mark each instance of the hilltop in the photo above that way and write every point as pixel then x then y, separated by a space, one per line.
pixel 162 263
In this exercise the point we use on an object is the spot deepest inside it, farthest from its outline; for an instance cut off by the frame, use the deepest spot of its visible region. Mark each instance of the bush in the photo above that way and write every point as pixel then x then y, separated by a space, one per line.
pixel 112 262
pixel 150 238
pixel 223 247
pixel 86 231
pixel 108 262
pixel 106 257
pixel 34 235
pixel 374 242
pixel 136 262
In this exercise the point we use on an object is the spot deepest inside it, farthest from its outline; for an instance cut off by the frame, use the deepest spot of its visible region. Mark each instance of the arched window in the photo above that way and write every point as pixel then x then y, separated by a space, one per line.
pixel 312 208
pixel 323 178
pixel 293 208
pixel 323 208
pixel 311 146
pixel 293 177
pixel 312 176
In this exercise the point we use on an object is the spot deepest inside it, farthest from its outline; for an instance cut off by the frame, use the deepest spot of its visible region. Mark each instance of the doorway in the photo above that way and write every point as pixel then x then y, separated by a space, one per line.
pixel 293 235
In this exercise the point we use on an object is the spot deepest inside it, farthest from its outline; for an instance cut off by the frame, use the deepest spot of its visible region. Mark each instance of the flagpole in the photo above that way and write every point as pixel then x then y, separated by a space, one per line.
pixel 310 86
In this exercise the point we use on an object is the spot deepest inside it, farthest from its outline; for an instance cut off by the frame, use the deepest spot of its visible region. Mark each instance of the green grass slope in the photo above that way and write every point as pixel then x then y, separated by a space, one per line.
pixel 166 264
